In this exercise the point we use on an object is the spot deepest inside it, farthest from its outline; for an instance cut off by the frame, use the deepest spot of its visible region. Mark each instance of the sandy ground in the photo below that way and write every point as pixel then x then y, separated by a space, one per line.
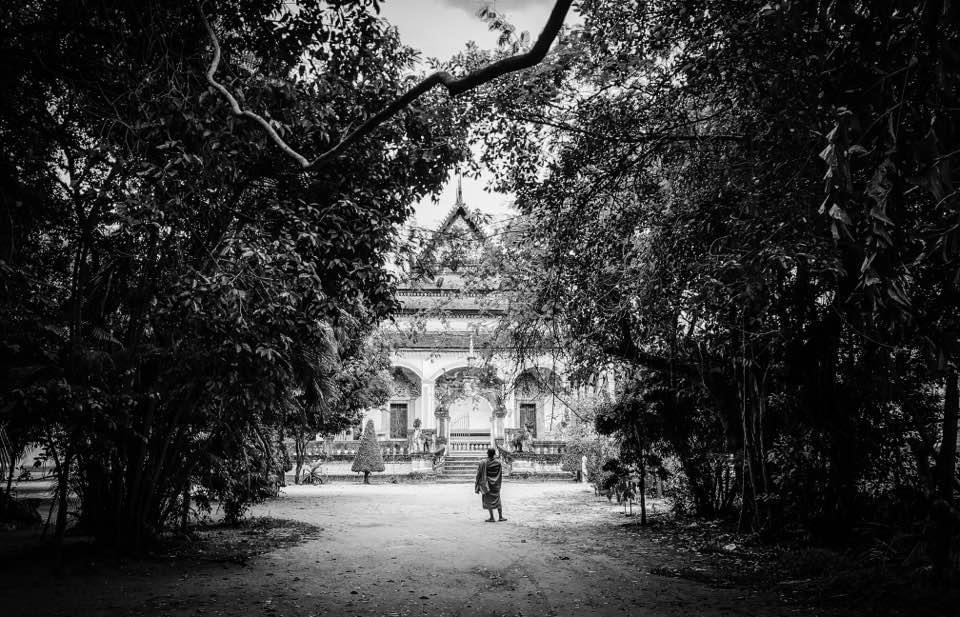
pixel 408 549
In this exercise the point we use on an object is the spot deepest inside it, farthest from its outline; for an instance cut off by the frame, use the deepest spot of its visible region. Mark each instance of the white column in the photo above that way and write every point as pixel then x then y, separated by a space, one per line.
pixel 383 426
pixel 428 404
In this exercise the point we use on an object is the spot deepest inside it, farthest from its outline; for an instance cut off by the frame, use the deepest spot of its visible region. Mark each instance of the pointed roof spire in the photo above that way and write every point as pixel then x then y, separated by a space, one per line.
pixel 459 191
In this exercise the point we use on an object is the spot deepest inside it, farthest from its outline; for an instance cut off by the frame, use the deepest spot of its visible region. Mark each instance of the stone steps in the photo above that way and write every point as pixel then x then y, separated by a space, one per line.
pixel 460 466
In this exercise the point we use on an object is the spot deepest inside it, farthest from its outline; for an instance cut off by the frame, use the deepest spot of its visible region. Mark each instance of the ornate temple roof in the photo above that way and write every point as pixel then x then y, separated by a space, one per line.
pixel 445 267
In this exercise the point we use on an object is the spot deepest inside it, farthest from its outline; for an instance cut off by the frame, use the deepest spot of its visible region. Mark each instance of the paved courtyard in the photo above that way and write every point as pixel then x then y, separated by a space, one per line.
pixel 412 549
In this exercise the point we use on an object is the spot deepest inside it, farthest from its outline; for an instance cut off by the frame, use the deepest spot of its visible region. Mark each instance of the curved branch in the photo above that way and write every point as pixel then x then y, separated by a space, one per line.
pixel 235 106
pixel 454 87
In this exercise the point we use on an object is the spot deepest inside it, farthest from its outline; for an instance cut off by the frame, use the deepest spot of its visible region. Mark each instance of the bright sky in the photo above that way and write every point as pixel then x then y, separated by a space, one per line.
pixel 439 29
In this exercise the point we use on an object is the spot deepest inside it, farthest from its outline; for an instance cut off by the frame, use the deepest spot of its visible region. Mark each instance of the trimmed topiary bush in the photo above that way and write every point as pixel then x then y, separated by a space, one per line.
pixel 368 457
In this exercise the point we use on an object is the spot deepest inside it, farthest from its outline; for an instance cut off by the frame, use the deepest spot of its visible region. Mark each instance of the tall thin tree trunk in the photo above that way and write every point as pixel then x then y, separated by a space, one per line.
pixel 946 472
pixel 63 488
pixel 10 477
pixel 643 493
pixel 185 508
pixel 300 446
pixel 643 476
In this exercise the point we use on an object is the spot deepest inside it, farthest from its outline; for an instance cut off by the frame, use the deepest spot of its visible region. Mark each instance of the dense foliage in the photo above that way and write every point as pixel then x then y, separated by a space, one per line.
pixel 174 293
pixel 749 209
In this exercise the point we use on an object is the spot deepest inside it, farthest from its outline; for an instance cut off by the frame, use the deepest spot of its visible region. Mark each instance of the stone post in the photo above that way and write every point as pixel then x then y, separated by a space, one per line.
pixel 498 419
pixel 443 425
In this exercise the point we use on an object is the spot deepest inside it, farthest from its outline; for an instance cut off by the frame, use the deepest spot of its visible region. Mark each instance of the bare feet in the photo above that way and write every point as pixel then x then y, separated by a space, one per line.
pixel 502 519
pixel 490 520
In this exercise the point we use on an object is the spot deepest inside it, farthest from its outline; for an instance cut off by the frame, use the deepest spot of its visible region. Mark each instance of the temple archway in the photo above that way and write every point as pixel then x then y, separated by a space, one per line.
pixel 468 398
pixel 470 418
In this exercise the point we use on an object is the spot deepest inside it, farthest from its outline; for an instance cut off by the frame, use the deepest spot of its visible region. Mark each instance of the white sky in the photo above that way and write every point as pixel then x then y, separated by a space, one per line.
pixel 439 29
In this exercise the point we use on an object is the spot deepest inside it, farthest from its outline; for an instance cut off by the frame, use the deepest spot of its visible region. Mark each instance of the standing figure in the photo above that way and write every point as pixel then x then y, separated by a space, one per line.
pixel 416 442
pixel 489 478
pixel 527 437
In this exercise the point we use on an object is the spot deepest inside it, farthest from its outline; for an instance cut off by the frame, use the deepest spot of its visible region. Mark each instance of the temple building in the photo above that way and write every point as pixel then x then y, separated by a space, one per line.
pixel 456 388
pixel 448 372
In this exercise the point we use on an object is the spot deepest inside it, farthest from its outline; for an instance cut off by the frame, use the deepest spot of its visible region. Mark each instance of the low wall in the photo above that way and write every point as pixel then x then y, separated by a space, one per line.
pixel 349 447
pixel 404 465
pixel 336 459
pixel 539 460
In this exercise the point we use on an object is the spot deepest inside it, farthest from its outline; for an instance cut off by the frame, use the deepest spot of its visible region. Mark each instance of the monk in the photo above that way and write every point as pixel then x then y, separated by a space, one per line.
pixel 489 478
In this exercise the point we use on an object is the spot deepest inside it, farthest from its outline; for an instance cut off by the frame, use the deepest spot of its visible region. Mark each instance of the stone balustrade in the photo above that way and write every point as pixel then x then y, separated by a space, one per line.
pixel 401 447
pixel 539 459
pixel 349 447
pixel 469 446
pixel 388 447
pixel 547 447
pixel 535 448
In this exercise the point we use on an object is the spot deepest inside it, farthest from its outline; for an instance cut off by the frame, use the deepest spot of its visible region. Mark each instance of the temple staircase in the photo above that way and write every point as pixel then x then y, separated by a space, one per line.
pixel 461 459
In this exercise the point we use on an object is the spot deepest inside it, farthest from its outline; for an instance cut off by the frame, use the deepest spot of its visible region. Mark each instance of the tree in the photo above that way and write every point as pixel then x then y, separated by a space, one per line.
pixel 167 283
pixel 336 402
pixel 669 167
pixel 369 458
pixel 454 85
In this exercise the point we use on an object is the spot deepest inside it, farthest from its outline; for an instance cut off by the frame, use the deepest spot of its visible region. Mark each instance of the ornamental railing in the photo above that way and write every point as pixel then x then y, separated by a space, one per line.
pixel 401 447
pixel 469 446
pixel 349 447
pixel 537 446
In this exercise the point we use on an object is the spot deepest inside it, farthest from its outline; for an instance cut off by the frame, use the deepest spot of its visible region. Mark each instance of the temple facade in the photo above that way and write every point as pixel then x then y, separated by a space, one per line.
pixel 453 384
pixel 456 388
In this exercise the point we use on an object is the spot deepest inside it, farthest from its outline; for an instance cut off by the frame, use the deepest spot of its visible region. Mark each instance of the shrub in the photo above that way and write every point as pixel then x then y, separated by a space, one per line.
pixel 368 457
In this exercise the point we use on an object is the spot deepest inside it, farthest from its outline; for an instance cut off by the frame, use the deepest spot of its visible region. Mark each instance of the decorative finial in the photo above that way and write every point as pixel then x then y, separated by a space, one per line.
pixel 459 191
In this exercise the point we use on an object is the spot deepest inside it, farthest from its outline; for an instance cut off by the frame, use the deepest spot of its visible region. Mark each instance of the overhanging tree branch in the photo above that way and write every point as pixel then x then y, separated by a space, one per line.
pixel 640 138
pixel 454 86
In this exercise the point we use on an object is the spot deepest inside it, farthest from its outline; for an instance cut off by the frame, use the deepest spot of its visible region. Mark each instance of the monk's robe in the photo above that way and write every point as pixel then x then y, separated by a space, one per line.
pixel 489 478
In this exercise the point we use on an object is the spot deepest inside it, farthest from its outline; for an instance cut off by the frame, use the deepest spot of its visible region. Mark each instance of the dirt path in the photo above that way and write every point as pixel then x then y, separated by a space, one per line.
pixel 414 549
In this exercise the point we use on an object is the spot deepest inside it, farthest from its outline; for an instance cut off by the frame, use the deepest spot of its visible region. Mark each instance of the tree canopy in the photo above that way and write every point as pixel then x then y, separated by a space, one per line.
pixel 749 209
pixel 173 293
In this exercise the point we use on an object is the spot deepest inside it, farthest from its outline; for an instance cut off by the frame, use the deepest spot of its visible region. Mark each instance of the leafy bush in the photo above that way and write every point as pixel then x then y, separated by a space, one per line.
pixel 312 474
